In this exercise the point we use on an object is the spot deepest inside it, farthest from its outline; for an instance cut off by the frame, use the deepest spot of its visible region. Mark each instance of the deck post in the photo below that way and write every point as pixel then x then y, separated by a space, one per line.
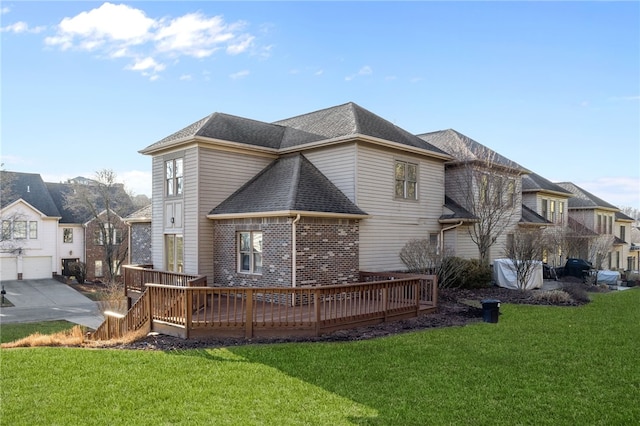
pixel 248 322
pixel 385 300
pixel 416 286
pixel 188 311
pixel 147 302
pixel 316 306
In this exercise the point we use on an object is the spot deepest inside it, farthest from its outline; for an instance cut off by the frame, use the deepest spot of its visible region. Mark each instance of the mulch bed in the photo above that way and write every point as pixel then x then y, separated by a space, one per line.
pixel 456 307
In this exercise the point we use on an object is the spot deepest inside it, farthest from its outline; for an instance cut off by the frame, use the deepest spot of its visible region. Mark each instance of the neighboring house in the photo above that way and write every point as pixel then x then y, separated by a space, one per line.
pixel 312 199
pixel 483 194
pixel 551 201
pixel 28 246
pixel 596 219
pixel 70 239
pixel 139 223
pixel 41 237
pixel 106 241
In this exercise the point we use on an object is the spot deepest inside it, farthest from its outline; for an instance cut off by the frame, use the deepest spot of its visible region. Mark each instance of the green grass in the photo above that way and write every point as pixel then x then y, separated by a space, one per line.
pixel 538 366
pixel 11 332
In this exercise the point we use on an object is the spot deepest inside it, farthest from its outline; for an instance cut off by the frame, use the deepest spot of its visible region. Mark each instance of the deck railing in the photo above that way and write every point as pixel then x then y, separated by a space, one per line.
pixel 188 310
pixel 135 278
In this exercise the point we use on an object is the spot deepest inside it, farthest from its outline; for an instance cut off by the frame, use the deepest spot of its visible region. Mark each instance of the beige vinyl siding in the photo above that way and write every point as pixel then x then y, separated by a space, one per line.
pixel 215 182
pixel 338 164
pixel 392 223
pixel 157 224
pixel 465 247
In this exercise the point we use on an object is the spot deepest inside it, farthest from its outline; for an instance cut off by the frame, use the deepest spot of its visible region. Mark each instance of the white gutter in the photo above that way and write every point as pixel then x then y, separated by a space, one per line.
pixel 448 228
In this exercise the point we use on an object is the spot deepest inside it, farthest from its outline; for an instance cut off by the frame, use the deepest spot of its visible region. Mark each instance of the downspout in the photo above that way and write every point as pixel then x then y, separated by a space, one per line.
pixel 442 234
pixel 293 250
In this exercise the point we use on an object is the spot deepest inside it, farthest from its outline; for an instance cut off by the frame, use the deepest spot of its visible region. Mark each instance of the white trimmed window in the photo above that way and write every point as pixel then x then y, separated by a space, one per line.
pixel 173 176
pixel 250 252
pixel 67 235
pixel 406 176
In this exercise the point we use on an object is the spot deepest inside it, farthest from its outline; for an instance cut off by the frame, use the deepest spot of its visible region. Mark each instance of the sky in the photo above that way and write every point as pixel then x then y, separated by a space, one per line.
pixel 553 86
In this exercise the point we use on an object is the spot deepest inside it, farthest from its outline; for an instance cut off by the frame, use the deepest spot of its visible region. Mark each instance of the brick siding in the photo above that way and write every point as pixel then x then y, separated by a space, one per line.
pixel 327 252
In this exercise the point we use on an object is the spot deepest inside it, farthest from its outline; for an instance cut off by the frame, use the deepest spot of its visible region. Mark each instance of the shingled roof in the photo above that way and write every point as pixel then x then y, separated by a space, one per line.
pixel 341 121
pixel 464 149
pixel 289 185
pixel 351 119
pixel 31 188
pixel 59 192
pixel 583 199
pixel 530 217
pixel 533 182
pixel 457 212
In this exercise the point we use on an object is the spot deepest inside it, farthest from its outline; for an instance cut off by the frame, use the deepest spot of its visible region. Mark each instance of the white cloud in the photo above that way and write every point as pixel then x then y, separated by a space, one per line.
pixel 123 31
pixel 21 27
pixel 186 77
pixel 4 10
pixel 366 70
pixel 239 74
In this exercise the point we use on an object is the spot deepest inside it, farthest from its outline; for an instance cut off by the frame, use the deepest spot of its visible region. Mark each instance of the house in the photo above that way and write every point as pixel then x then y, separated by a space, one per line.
pixel 29 246
pixel 608 227
pixel 309 200
pixel 484 194
pixel 43 236
pixel 550 201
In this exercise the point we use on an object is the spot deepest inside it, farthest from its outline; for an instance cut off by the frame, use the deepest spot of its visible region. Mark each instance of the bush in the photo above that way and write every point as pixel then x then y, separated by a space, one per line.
pixel 79 270
pixel 552 297
pixel 476 275
pixel 577 291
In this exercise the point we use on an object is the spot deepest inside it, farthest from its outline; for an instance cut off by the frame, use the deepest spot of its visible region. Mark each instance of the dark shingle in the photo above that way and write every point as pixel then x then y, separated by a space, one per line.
pixel 290 183
pixel 534 182
pixel 31 188
pixel 530 216
pixel 458 212
pixel 465 149
pixel 351 119
pixel 583 199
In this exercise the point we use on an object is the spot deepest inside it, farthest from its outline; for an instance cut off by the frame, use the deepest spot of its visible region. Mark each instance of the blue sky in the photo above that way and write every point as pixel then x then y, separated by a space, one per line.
pixel 554 86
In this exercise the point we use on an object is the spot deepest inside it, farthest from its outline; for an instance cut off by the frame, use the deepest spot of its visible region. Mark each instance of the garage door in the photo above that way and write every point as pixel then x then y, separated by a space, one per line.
pixel 34 268
pixel 8 269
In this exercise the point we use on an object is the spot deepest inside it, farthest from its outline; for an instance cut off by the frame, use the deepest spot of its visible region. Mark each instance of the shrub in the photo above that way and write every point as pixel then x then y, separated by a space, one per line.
pixel 577 291
pixel 552 297
pixel 79 270
pixel 476 275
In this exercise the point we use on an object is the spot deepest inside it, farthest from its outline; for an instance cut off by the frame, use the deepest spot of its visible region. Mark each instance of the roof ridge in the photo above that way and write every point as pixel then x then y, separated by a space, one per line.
pixel 295 180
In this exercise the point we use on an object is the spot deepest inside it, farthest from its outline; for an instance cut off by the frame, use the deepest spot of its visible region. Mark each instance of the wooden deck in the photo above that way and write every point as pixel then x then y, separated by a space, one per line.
pixel 187 310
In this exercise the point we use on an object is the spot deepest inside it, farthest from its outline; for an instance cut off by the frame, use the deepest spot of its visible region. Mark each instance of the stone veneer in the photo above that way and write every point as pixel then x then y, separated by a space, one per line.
pixel 327 251
pixel 141 243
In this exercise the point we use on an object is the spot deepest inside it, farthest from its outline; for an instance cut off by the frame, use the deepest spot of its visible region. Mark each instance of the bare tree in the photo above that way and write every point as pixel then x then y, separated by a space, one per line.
pixel 10 221
pixel 489 189
pixel 525 251
pixel 421 257
pixel 104 201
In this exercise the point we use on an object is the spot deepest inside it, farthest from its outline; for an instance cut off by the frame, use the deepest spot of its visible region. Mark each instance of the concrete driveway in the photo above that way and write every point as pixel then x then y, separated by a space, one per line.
pixel 47 300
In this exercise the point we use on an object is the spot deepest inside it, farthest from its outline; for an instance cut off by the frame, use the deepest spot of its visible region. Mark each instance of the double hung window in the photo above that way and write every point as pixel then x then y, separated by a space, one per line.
pixel 406 175
pixel 250 252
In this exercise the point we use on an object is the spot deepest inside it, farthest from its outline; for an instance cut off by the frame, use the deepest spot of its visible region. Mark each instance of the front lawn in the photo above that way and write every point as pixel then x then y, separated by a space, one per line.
pixel 11 332
pixel 538 365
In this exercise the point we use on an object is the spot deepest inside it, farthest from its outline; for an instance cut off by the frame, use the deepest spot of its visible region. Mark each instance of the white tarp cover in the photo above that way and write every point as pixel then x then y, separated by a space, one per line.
pixel 608 277
pixel 504 272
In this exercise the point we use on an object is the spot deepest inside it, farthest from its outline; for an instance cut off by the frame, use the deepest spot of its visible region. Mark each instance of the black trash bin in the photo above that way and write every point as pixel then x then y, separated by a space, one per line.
pixel 490 310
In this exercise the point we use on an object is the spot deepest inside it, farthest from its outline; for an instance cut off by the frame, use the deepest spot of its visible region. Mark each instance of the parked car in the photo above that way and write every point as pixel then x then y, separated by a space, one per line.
pixel 574 267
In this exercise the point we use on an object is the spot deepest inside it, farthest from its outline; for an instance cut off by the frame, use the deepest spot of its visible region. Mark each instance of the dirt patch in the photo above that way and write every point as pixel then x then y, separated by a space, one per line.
pixel 456 307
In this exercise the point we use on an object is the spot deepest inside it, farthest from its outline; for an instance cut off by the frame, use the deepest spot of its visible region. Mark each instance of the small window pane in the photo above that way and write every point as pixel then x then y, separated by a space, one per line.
pixel 245 241
pixel 400 188
pixel 178 167
pixel 257 263
pixel 245 262
pixel 20 229
pixel 169 169
pixel 67 235
pixel 6 230
pixel 400 171
pixel 412 172
pixel 33 230
pixel 411 190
